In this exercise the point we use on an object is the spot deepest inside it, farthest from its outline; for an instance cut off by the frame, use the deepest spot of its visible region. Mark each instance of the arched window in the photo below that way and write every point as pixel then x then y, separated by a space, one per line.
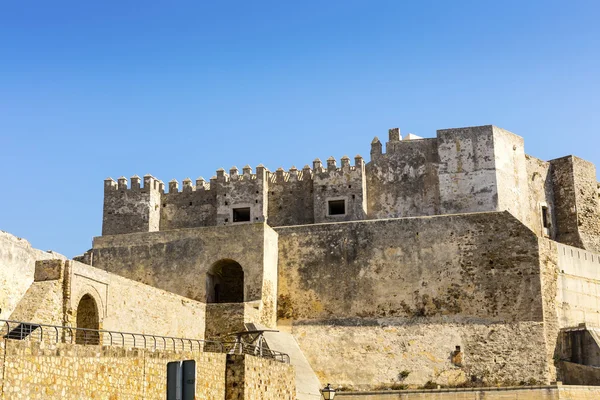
pixel 225 282
pixel 87 318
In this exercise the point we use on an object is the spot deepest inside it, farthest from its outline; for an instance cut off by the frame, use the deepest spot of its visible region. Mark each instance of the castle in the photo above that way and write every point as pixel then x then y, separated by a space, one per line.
pixel 450 260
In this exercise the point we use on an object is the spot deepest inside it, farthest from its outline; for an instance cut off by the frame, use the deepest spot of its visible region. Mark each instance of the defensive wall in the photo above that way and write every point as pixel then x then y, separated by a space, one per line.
pixel 182 261
pixel 58 286
pixel 30 370
pixel 463 170
pixel 406 294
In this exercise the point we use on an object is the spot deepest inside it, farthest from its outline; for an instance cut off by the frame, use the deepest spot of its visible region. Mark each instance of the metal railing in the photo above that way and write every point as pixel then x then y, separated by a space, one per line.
pixel 258 351
pixel 18 330
pixel 31 331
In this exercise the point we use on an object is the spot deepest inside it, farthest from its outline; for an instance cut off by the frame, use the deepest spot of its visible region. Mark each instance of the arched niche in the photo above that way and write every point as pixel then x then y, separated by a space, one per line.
pixel 225 282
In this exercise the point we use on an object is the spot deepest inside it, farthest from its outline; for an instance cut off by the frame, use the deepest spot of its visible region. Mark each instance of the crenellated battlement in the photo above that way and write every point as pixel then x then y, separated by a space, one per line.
pixel 292 175
pixel 472 169
pixel 150 183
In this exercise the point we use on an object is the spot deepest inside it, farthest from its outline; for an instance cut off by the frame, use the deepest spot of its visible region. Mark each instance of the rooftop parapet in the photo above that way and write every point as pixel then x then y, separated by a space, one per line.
pixel 344 167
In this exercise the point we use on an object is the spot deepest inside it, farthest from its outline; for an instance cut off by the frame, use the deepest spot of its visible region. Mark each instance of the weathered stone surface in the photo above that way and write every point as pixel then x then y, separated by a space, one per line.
pixel 440 266
pixel 30 370
pixel 17 269
pixel 521 393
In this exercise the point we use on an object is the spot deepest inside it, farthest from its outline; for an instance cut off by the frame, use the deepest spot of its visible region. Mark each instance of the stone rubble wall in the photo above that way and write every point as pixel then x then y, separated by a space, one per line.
pixel 260 378
pixel 32 371
pixel 17 268
pixel 382 352
pixel 403 293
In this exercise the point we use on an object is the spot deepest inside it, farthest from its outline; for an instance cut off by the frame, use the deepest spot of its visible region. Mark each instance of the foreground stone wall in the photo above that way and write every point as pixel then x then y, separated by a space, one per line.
pixel 68 371
pixel 521 393
pixel 253 378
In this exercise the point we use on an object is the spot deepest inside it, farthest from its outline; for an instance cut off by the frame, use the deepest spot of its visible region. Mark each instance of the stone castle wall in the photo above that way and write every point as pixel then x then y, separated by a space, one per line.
pixel 463 170
pixel 60 285
pixel 254 378
pixel 69 371
pixel 178 261
pixel 404 293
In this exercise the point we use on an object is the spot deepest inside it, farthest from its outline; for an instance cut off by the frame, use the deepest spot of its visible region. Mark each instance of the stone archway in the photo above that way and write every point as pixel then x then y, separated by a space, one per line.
pixel 225 282
pixel 87 318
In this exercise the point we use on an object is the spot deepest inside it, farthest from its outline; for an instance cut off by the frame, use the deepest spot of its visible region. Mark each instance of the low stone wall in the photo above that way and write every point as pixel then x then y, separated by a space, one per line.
pixel 262 379
pixel 222 319
pixel 577 374
pixel 30 370
pixel 522 393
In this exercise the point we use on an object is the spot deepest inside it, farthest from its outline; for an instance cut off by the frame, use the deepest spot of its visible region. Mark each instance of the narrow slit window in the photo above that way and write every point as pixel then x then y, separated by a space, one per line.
pixel 545 219
pixel 337 207
pixel 241 214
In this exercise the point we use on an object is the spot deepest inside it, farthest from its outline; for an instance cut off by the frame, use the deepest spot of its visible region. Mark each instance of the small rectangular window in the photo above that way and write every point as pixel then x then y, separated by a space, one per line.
pixel 241 214
pixel 337 207
pixel 545 219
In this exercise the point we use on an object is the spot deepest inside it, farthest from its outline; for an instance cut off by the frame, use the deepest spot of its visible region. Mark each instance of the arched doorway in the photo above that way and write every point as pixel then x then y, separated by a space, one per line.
pixel 87 318
pixel 225 282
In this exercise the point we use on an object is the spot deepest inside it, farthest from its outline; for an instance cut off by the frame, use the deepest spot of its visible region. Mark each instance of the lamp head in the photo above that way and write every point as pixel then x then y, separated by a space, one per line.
pixel 328 392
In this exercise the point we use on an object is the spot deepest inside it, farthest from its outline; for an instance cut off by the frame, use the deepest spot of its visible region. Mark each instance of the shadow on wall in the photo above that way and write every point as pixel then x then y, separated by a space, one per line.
pixel 225 282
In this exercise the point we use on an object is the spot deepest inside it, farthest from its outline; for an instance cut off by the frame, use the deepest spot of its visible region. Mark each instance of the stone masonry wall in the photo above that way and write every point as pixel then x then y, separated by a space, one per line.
pixel 563 181
pixel 511 173
pixel 588 203
pixel 368 354
pixel 578 286
pixel 31 371
pixel 178 260
pixel 17 268
pixel 403 182
pixel 55 301
pixel 291 197
pixel 34 371
pixel 131 209
pixel 541 193
pixel 467 172
pixel 437 266
pixel 189 208
pixel 405 292
pixel 253 378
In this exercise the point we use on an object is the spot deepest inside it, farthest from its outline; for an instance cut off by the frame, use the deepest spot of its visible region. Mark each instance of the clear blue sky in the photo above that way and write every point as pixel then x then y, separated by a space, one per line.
pixel 176 89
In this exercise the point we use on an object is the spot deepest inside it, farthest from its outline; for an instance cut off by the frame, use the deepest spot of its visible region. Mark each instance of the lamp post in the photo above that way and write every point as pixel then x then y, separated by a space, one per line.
pixel 328 392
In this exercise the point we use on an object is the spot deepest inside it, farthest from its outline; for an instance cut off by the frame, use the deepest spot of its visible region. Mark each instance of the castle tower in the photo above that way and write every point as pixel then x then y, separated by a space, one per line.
pixel 131 209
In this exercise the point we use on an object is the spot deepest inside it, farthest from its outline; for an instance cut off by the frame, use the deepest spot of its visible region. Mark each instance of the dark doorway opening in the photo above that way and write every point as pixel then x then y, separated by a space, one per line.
pixel 225 282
